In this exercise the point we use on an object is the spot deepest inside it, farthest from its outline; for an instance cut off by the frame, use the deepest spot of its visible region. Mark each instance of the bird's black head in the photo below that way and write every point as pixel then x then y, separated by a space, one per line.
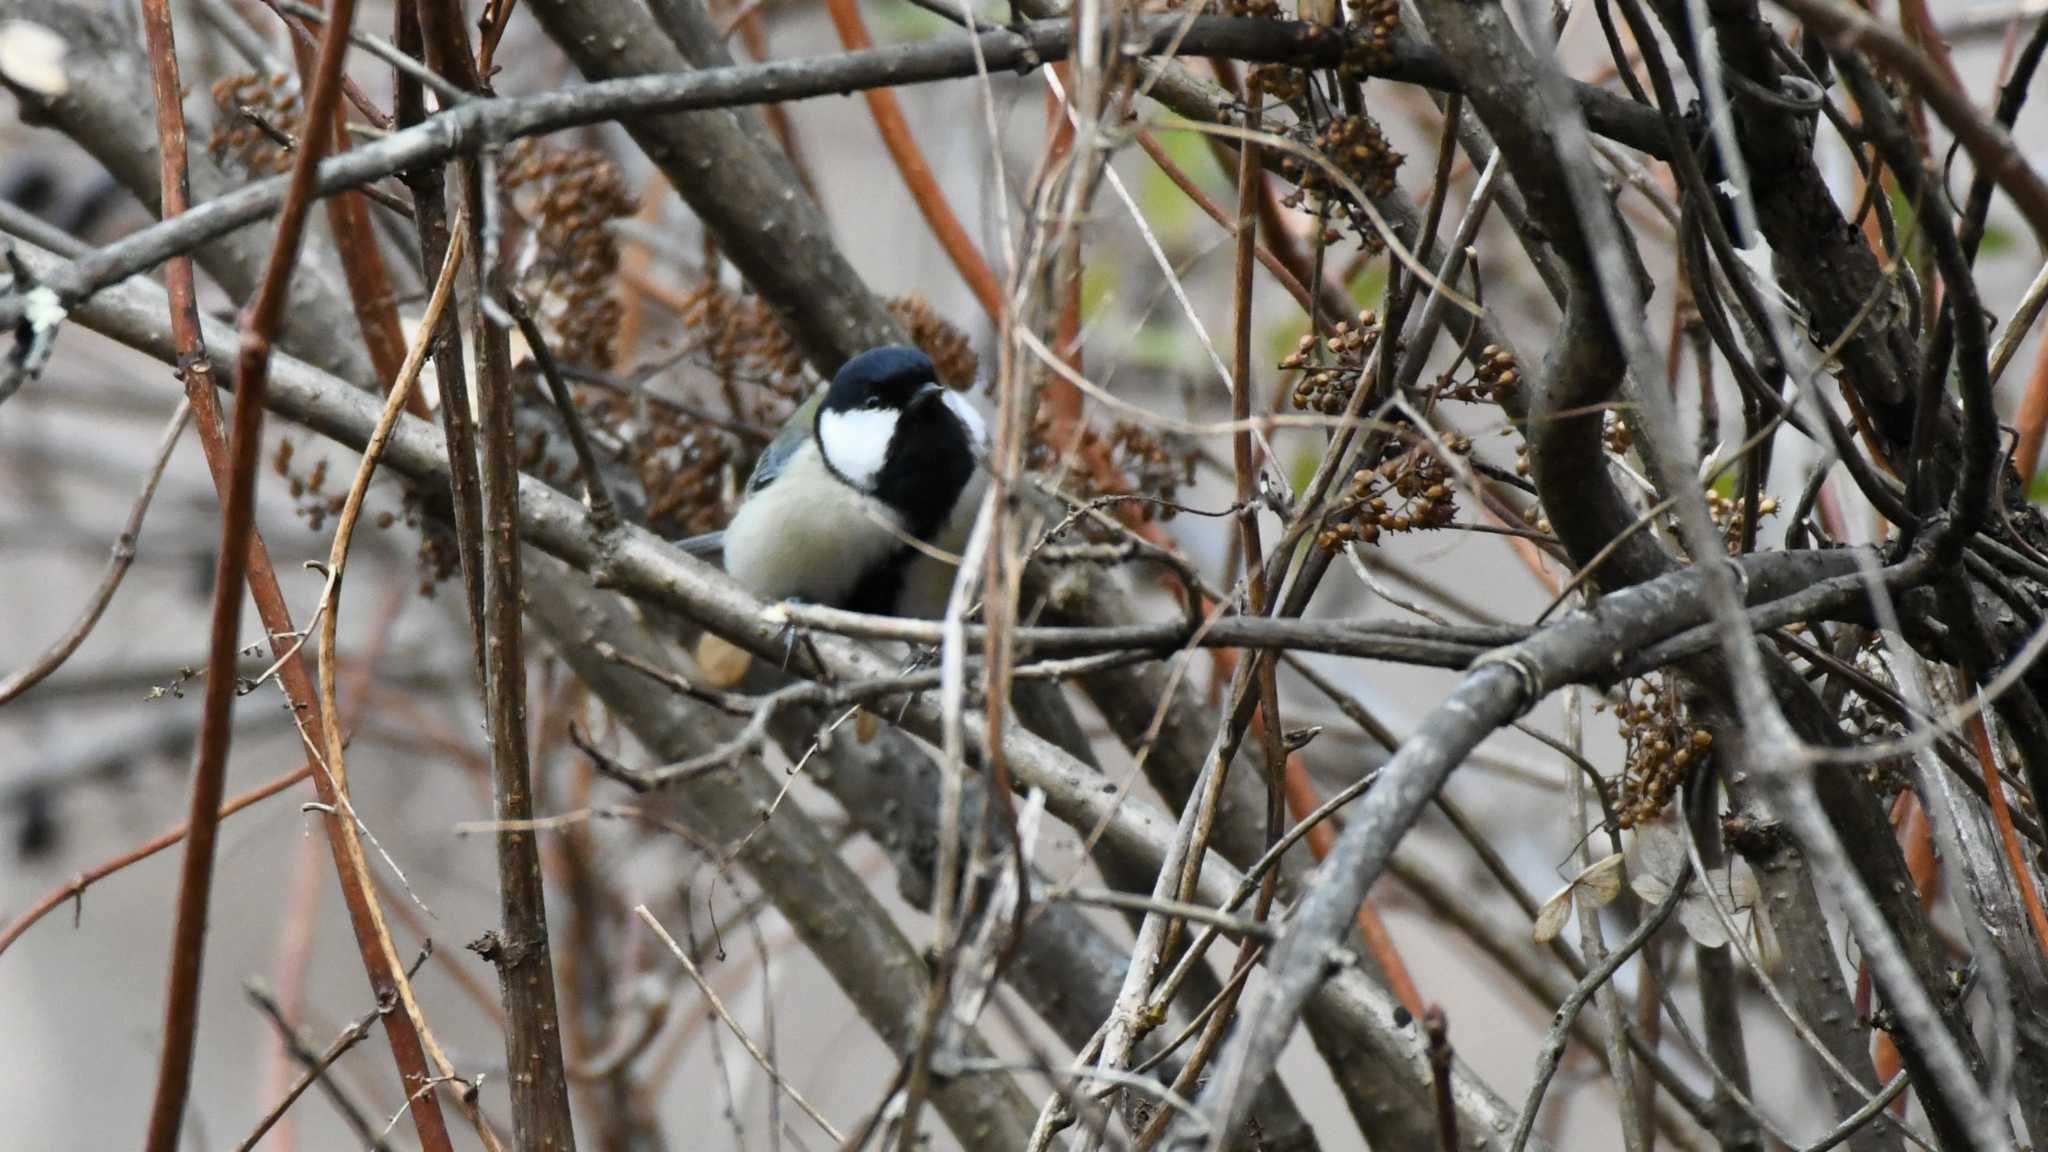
pixel 889 377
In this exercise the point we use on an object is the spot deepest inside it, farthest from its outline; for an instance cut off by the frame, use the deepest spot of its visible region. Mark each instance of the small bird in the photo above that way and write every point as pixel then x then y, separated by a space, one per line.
pixel 848 505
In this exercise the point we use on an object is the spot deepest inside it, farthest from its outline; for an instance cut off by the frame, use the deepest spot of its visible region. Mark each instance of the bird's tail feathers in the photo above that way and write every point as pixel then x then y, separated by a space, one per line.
pixel 708 544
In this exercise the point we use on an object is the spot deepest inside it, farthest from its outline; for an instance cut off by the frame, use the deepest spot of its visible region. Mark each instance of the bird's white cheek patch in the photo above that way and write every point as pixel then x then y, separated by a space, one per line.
pixel 857 443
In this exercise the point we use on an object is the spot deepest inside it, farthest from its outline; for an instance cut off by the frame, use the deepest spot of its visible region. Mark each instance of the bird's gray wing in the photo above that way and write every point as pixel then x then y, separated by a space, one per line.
pixel 708 544
pixel 780 450
pixel 772 461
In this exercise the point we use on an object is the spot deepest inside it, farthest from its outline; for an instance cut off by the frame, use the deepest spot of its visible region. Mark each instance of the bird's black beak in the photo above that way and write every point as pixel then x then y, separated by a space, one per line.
pixel 929 393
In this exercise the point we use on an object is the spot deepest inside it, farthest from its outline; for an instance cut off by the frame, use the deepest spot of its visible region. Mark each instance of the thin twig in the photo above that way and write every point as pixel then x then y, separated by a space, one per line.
pixel 123 558
pixel 917 172
pixel 780 1085
pixel 520 951
pixel 603 512
pixel 481 123
pixel 1439 1034
pixel 405 1031
pixel 316 1069
pixel 74 888
pixel 259 323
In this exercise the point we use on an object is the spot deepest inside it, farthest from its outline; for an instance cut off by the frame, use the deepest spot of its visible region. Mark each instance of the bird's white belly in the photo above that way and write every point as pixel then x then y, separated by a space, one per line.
pixel 807 536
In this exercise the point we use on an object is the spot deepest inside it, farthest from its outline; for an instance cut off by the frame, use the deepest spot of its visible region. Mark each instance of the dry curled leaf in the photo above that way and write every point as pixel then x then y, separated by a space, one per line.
pixel 1660 854
pixel 1597 884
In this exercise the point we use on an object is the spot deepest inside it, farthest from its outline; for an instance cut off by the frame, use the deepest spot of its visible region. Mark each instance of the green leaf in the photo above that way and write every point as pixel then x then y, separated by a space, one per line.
pixel 1303 468
pixel 1369 287
pixel 1724 484
pixel 1997 238
pixel 1189 151
pixel 1167 209
pixel 2037 491
pixel 1098 284
pixel 1158 346
pixel 1280 341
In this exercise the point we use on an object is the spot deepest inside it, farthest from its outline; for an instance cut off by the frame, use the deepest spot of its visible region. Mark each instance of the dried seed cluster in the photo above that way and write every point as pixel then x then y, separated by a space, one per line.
pixel 1409 490
pixel 1357 147
pixel 1154 465
pixel 568 196
pixel 1372 24
pixel 688 469
pixel 1729 514
pixel 1327 387
pixel 1662 743
pixel 240 100
pixel 1494 378
pixel 1283 82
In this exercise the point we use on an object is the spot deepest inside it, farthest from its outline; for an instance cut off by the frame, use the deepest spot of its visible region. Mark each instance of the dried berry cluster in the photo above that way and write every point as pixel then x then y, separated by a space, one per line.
pixel 1282 82
pixel 1327 387
pixel 1494 378
pixel 686 470
pixel 1408 491
pixel 242 100
pixel 1662 745
pixel 439 558
pixel 1729 514
pixel 1357 147
pixel 568 196
pixel 741 339
pixel 689 470
pixel 1370 50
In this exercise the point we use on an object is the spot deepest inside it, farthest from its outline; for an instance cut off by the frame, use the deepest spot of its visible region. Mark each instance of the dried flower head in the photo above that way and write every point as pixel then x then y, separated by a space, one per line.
pixel 254 107
pixel 568 196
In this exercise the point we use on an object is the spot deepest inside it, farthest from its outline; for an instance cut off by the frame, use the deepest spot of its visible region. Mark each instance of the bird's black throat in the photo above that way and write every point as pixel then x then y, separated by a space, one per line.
pixel 928 466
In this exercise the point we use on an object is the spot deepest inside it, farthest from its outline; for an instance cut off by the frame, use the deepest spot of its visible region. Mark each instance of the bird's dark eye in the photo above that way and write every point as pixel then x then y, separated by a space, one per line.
pixel 871 402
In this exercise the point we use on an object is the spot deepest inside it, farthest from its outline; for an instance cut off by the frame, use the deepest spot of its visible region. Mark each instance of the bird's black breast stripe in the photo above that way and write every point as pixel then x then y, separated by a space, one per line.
pixel 928 465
